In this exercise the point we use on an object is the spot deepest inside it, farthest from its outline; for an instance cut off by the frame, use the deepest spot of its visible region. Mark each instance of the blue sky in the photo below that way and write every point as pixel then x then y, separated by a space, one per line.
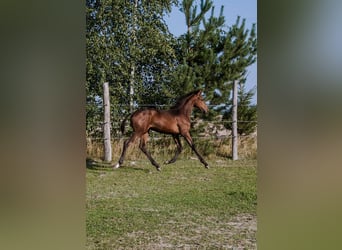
pixel 232 8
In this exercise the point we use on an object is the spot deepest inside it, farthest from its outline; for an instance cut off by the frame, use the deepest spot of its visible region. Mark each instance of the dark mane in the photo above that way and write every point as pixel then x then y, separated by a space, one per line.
pixel 183 99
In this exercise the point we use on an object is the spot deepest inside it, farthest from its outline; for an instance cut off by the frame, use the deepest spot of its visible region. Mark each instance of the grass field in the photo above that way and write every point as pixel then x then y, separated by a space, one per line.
pixel 185 206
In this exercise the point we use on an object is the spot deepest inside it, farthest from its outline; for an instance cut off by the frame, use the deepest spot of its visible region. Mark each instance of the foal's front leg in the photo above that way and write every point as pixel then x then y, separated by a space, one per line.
pixel 192 145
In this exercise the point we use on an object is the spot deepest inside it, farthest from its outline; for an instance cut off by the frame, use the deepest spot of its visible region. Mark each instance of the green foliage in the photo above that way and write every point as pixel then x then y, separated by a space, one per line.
pixel 198 50
pixel 239 51
pixel 122 36
pixel 210 57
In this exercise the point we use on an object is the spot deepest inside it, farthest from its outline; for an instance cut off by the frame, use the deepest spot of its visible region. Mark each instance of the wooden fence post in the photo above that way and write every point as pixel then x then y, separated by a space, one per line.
pixel 106 124
pixel 234 125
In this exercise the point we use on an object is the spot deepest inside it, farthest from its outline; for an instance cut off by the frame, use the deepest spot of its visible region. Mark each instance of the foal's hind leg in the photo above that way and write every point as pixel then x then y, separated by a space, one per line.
pixel 142 146
pixel 125 146
pixel 179 149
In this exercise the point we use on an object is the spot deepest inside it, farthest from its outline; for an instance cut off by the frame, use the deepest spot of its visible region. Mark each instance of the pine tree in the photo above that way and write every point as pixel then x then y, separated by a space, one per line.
pixel 210 57
pixel 239 53
pixel 198 49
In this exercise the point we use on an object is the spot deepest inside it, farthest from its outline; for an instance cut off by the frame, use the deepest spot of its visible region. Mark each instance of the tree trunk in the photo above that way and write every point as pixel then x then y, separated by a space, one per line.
pixel 234 125
pixel 133 37
pixel 131 90
pixel 106 124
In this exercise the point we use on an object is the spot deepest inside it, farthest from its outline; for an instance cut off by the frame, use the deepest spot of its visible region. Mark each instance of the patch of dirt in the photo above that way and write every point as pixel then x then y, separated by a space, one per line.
pixel 237 233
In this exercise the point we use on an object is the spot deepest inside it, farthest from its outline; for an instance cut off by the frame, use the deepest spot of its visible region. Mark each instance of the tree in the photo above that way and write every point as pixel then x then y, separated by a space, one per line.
pixel 239 53
pixel 128 45
pixel 105 57
pixel 198 50
pixel 210 57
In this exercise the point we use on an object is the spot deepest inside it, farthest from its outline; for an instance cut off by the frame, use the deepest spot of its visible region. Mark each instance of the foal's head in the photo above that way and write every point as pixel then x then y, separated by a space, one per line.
pixel 199 102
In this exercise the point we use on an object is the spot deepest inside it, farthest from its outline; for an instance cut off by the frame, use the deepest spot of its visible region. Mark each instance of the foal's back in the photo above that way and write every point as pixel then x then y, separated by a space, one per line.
pixel 159 120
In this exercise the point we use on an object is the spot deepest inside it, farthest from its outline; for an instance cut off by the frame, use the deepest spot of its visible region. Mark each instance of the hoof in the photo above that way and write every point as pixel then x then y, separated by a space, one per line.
pixel 169 162
pixel 159 169
pixel 206 166
pixel 117 165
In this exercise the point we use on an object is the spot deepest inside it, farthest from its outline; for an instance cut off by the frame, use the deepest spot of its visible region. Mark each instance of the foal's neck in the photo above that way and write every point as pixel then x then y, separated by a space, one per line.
pixel 187 108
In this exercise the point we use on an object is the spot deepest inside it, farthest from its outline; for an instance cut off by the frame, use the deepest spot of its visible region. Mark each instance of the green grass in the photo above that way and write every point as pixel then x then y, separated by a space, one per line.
pixel 183 206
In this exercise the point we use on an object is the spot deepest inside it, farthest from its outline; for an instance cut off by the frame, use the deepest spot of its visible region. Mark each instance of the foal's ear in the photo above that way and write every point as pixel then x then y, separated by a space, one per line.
pixel 199 92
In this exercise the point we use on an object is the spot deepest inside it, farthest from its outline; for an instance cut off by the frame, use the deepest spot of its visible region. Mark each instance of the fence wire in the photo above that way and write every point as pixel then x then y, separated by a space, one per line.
pixel 216 137
pixel 116 123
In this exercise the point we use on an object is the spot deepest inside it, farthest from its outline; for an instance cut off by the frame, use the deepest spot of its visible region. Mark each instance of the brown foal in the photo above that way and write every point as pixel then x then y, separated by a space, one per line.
pixel 175 121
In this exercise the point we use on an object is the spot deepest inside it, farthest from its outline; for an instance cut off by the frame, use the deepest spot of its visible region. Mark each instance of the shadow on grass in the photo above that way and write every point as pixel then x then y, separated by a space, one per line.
pixel 129 169
pixel 96 165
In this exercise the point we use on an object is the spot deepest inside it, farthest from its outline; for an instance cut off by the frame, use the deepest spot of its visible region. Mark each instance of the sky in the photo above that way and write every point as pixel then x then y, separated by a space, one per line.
pixel 232 8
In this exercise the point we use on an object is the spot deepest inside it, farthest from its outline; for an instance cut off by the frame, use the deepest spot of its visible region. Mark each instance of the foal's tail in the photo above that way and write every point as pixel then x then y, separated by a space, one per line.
pixel 122 127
